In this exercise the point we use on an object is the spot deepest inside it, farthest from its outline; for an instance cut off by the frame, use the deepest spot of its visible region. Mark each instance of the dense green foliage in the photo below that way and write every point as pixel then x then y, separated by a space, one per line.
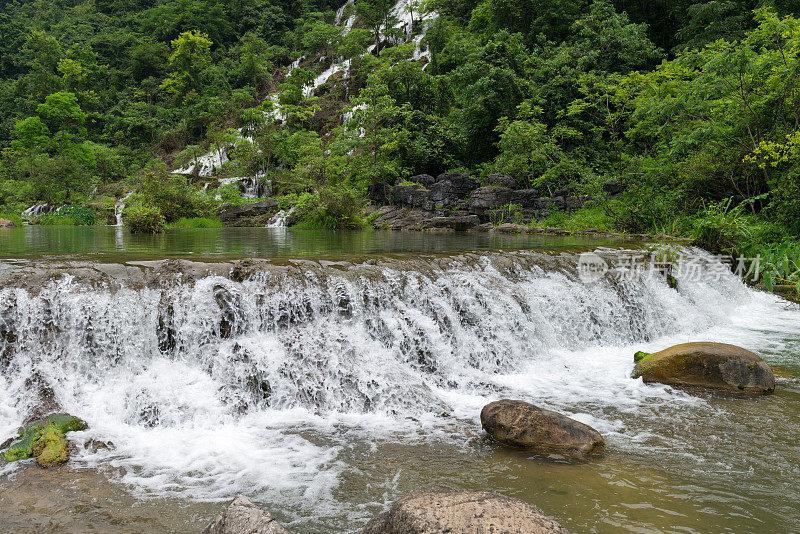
pixel 694 106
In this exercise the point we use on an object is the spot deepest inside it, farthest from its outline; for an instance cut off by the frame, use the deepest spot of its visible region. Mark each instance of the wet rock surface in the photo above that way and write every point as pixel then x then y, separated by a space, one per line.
pixel 518 424
pixel 239 215
pixel 244 517
pixel 6 223
pixel 411 204
pixel 717 366
pixel 44 439
pixel 445 510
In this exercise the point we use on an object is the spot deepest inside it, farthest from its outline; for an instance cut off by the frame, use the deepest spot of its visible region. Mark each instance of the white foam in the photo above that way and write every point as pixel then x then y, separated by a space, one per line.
pixel 216 387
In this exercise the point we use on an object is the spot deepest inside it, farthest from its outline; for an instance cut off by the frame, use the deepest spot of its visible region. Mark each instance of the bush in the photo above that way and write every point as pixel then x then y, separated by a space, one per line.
pixel 11 216
pixel 144 219
pixel 334 207
pixel 173 195
pixel 592 217
pixel 721 229
pixel 69 216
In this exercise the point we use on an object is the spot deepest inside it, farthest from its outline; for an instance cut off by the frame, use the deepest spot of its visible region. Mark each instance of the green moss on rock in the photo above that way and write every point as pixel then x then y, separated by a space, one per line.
pixel 640 355
pixel 50 447
pixel 32 434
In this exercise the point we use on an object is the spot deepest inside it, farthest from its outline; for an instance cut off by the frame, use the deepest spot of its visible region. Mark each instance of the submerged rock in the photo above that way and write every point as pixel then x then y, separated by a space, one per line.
pixel 45 440
pixel 519 424
pixel 707 365
pixel 446 510
pixel 244 517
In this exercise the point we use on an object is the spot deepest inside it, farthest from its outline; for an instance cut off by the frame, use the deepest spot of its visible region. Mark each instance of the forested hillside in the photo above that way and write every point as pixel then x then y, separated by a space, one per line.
pixel 692 107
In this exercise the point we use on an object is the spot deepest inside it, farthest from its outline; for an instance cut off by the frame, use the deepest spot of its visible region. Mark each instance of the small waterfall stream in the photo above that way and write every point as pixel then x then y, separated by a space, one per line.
pixel 214 384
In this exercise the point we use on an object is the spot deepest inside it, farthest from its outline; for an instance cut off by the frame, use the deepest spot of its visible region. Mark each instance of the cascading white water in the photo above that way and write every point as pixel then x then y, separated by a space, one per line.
pixel 206 387
pixel 280 219
pixel 119 208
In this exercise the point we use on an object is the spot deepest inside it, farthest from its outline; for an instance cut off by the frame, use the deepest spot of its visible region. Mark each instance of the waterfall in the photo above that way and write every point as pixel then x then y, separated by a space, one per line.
pixel 119 208
pixel 200 373
pixel 280 219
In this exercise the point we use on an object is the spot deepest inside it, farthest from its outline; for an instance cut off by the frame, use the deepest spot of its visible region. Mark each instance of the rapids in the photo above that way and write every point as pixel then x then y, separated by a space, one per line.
pixel 324 389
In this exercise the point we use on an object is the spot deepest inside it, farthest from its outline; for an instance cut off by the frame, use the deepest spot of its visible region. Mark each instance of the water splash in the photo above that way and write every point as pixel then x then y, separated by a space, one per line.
pixel 207 385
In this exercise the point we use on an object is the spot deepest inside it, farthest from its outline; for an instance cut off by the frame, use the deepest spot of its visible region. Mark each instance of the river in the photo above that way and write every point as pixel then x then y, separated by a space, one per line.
pixel 342 370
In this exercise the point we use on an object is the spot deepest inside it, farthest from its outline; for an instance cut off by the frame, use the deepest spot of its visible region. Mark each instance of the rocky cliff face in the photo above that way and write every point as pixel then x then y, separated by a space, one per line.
pixel 460 202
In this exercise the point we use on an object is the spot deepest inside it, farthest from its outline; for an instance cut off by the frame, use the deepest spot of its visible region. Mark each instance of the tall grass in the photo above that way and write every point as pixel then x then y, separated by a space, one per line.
pixel 196 222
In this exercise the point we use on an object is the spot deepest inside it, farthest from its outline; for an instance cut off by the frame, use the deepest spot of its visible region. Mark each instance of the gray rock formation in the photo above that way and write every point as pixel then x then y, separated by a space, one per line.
pixel 244 517
pixel 466 512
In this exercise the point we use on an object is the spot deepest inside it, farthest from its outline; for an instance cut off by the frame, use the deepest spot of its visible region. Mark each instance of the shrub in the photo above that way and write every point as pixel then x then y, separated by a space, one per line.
pixel 69 216
pixel 334 207
pixel 144 219
pixel 197 222
pixel 591 217
pixel 721 228
pixel 173 195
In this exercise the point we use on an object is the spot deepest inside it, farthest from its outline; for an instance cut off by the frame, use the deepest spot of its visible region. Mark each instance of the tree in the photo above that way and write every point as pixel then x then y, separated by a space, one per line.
pixel 374 13
pixel 190 58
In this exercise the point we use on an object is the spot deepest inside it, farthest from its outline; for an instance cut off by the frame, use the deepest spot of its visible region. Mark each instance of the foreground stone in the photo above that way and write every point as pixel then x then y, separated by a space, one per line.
pixel 244 517
pixel 519 424
pixel 707 365
pixel 45 440
pixel 446 510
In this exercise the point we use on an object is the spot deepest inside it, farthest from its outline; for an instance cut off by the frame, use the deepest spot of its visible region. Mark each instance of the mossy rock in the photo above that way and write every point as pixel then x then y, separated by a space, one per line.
pixel 707 365
pixel 50 447
pixel 30 435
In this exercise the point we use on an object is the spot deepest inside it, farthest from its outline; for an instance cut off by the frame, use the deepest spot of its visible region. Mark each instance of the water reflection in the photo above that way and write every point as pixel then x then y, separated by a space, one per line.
pixel 34 241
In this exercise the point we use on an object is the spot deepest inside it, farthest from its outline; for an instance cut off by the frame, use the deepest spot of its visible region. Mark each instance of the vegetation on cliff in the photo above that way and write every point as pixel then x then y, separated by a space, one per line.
pixel 691 106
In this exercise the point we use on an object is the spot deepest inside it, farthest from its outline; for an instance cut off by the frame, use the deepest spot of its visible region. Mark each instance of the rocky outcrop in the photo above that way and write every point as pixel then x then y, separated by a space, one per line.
pixel 453 186
pixel 716 366
pixel 522 425
pixel 238 214
pixel 379 192
pixel 400 218
pixel 410 195
pixel 425 180
pixel 244 517
pixel 445 510
pixel 491 197
pixel 501 180
pixel 5 223
pixel 614 188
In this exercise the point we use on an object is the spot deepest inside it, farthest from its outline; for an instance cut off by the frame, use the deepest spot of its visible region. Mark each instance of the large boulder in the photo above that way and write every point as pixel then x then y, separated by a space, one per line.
pixel 486 198
pixel 255 209
pixel 707 365
pixel 453 186
pixel 244 517
pixel 501 180
pixel 458 223
pixel 519 424
pixel 613 188
pixel 410 195
pixel 425 180
pixel 5 223
pixel 445 510
pixel 527 198
pixel 379 192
